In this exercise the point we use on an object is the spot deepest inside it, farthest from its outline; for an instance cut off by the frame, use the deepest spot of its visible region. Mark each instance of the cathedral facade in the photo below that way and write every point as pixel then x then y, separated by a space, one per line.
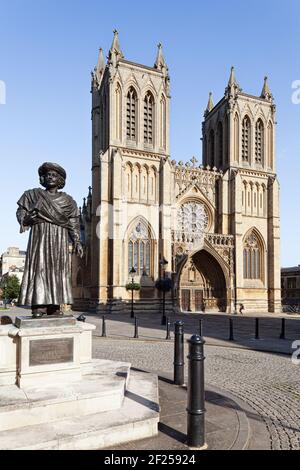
pixel 213 228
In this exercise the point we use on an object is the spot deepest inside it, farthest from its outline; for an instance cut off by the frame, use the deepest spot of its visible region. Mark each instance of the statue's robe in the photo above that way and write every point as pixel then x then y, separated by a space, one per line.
pixel 47 273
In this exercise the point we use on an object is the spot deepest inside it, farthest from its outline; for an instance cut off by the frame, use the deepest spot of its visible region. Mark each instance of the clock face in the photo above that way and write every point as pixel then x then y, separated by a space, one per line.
pixel 192 217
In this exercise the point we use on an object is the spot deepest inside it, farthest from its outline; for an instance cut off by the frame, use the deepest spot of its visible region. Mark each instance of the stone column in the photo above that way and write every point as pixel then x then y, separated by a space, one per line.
pixel 274 291
pixel 117 261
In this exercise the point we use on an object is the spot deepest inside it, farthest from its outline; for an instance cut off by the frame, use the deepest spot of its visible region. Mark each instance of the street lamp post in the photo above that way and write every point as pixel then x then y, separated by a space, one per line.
pixel 164 264
pixel 132 272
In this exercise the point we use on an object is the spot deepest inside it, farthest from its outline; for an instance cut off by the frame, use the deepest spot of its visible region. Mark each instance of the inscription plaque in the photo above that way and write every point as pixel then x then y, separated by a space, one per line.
pixel 50 351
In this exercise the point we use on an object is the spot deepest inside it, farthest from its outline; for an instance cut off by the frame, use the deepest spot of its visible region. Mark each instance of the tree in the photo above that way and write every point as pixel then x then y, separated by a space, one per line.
pixel 10 287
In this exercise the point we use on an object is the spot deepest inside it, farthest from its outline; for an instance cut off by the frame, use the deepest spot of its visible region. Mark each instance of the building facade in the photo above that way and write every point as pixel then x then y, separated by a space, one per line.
pixel 13 262
pixel 216 224
pixel 290 286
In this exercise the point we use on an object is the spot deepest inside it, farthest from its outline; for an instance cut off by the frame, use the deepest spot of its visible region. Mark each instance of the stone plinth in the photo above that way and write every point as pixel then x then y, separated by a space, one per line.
pixel 46 350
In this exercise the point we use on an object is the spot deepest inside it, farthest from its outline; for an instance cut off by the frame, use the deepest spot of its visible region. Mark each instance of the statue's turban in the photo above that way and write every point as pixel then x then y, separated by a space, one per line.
pixel 52 166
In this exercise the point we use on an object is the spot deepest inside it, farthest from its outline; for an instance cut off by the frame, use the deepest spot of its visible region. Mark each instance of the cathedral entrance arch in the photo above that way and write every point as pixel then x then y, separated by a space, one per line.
pixel 203 283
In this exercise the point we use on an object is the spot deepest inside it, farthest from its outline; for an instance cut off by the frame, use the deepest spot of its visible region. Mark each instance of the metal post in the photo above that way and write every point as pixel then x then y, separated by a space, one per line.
pixel 136 328
pixel 132 312
pixel 81 318
pixel 282 333
pixel 179 353
pixel 196 393
pixel 256 328
pixel 200 327
pixel 231 338
pixel 103 327
pixel 168 329
pixel 163 319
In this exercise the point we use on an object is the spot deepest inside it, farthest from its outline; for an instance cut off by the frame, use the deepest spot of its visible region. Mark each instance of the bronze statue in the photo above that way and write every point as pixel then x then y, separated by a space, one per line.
pixel 53 218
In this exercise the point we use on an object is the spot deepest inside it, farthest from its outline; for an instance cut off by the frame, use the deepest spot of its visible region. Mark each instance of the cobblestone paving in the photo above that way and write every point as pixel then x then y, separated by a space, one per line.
pixel 269 383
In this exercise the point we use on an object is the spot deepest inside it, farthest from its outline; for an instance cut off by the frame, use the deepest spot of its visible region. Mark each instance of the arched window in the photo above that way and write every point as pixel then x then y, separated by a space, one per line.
pixel 252 257
pixel 211 150
pixel 144 182
pixel 131 109
pixel 128 180
pixel 139 250
pixel 259 141
pixel 220 144
pixel 246 139
pixel 148 118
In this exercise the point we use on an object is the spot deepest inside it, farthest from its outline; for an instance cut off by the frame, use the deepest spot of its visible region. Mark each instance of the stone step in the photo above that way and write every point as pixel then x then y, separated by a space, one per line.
pixel 136 419
pixel 102 388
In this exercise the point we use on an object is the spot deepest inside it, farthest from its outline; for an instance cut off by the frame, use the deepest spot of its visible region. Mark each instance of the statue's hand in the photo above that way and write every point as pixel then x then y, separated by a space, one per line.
pixel 79 249
pixel 30 217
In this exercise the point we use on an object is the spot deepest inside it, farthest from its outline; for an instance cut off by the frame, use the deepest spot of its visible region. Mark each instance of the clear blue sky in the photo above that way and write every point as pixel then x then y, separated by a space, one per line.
pixel 48 49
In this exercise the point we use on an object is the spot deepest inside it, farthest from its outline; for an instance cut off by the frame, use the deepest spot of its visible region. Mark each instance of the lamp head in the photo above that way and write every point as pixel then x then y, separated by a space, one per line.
pixel 163 262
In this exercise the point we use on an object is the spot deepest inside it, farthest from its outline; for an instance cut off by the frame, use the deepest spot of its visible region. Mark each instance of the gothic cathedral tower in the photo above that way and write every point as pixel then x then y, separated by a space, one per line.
pixel 130 132
pixel 239 140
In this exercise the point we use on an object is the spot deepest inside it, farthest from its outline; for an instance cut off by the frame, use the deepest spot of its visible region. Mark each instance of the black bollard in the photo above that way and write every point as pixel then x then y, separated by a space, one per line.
pixel 179 353
pixel 282 333
pixel 231 338
pixel 136 328
pixel 256 328
pixel 200 327
pixel 196 393
pixel 81 318
pixel 168 336
pixel 103 327
pixel 163 318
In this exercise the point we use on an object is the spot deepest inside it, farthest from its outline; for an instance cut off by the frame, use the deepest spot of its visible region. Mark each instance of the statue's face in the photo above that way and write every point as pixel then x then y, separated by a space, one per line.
pixel 51 179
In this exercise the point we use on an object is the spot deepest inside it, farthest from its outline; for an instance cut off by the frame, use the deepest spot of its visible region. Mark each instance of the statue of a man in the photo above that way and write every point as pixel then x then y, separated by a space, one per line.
pixel 53 218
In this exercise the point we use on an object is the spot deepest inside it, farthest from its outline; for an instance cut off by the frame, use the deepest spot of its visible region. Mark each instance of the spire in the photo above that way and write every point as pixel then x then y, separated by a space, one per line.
pixel 115 53
pixel 99 69
pixel 266 92
pixel 160 62
pixel 233 87
pixel 210 105
pixel 232 80
pixel 89 205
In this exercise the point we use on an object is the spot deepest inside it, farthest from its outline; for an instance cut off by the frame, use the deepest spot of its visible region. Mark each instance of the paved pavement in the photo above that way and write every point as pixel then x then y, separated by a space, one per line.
pixel 215 329
pixel 267 385
pixel 226 425
pixel 253 397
